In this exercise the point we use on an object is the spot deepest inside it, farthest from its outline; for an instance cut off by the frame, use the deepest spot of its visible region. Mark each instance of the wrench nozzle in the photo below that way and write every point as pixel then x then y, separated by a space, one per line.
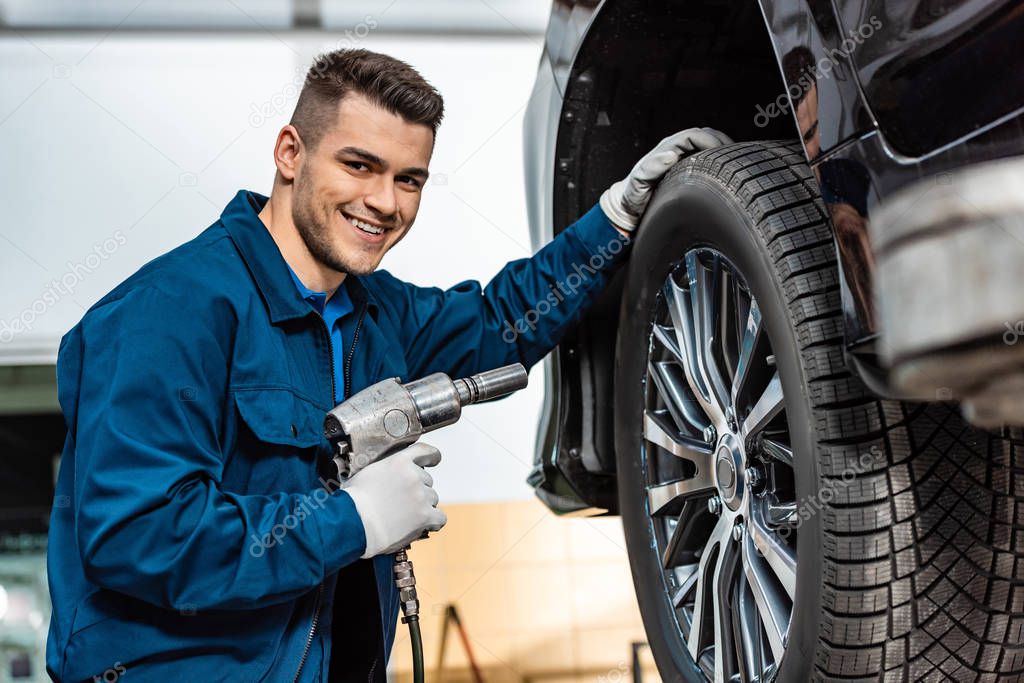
pixel 491 384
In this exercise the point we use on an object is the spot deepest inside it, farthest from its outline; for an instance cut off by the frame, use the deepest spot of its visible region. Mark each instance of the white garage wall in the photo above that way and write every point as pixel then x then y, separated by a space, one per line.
pixel 140 139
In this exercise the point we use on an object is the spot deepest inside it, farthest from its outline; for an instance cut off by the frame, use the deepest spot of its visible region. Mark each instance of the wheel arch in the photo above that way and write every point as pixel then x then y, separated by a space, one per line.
pixel 643 71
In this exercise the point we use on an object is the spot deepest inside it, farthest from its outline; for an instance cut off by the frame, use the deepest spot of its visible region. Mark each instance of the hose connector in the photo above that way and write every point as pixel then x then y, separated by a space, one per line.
pixel 405 582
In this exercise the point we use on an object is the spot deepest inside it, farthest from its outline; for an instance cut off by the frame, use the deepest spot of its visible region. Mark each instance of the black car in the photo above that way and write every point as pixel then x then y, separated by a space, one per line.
pixel 803 393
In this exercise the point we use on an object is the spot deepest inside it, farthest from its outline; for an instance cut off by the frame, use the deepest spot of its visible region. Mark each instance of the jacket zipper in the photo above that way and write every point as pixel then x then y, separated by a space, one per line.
pixel 352 352
pixel 348 388
pixel 320 588
pixel 330 352
pixel 312 632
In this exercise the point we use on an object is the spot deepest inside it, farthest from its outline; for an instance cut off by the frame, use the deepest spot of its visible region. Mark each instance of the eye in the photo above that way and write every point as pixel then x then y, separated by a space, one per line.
pixel 409 180
pixel 357 165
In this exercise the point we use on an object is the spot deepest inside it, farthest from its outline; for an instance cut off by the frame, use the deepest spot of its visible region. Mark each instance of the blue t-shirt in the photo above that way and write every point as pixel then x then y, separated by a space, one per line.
pixel 336 308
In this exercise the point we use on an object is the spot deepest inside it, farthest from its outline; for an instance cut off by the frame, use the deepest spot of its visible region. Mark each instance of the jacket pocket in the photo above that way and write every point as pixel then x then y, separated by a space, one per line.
pixel 279 416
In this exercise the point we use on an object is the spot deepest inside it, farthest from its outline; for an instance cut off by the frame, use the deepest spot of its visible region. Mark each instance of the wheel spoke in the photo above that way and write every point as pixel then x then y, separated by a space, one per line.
pixel 688 534
pixel 765 409
pixel 705 333
pixel 779 514
pixel 657 432
pixel 725 574
pixel 705 598
pixel 668 498
pixel 778 555
pixel 771 607
pixel 666 336
pixel 747 627
pixel 779 451
pixel 728 321
pixel 670 384
pixel 677 300
pixel 686 586
pixel 752 335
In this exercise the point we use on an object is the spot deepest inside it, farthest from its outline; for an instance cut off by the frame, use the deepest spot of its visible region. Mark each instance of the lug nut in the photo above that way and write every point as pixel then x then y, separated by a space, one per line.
pixel 737 532
pixel 714 505
pixel 753 476
pixel 710 435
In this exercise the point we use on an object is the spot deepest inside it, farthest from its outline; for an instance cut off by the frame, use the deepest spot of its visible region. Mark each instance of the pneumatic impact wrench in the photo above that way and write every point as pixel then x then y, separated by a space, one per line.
pixel 388 416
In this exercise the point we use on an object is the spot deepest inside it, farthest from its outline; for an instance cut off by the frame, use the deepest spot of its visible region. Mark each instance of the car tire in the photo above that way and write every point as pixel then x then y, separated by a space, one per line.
pixel 911 568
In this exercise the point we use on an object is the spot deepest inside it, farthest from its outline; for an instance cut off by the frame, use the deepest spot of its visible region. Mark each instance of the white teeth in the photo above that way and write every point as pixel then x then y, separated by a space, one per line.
pixel 366 227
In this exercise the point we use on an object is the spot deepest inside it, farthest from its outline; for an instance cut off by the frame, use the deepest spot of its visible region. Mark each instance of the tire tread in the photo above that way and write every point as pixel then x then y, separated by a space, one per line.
pixel 923 539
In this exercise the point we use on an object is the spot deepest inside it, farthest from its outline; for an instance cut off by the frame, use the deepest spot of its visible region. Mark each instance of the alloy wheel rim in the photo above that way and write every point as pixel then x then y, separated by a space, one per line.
pixel 718 468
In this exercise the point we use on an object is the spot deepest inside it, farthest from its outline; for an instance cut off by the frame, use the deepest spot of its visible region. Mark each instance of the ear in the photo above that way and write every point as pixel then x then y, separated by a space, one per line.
pixel 288 152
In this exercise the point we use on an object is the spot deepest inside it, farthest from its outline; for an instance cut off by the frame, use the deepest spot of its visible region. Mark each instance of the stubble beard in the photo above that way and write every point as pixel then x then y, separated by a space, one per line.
pixel 315 231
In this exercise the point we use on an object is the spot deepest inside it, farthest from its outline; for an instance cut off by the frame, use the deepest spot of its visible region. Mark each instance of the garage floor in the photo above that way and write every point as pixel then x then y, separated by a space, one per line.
pixel 542 597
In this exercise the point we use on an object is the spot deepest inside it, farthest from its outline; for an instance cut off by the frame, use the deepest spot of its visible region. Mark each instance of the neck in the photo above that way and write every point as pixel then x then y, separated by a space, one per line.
pixel 277 217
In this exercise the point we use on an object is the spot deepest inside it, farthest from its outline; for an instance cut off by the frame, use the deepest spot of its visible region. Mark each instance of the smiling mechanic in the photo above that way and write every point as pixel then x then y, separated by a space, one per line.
pixel 196 533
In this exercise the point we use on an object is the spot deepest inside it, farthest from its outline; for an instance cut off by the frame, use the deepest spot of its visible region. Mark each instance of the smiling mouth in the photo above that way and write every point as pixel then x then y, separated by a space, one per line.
pixel 368 228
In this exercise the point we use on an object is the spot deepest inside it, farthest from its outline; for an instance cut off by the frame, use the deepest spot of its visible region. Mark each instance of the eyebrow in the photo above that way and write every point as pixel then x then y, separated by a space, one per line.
pixel 810 131
pixel 372 158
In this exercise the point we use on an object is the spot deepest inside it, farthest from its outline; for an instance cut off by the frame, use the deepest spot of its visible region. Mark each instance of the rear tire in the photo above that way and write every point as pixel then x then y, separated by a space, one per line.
pixel 912 566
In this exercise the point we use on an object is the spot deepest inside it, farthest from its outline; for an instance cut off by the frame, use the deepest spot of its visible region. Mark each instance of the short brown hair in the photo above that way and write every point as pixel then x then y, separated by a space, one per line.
pixel 388 82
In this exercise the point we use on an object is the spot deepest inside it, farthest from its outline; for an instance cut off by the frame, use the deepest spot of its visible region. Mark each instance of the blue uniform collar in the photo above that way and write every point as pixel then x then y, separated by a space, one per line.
pixel 268 267
pixel 329 309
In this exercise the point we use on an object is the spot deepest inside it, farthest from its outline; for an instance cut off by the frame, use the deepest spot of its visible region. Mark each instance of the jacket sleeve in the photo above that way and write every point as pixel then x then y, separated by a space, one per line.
pixel 152 521
pixel 522 313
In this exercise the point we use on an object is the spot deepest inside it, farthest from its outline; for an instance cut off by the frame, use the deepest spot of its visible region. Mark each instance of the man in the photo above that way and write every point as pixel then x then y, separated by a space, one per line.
pixel 204 539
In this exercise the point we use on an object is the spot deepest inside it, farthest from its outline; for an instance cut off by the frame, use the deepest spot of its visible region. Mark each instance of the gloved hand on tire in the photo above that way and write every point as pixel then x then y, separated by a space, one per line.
pixel 625 201
pixel 396 500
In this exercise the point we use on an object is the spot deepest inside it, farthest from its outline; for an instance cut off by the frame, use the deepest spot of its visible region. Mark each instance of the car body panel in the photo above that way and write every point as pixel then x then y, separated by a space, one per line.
pixel 927 71
pixel 567 25
pixel 599 55
pixel 812 26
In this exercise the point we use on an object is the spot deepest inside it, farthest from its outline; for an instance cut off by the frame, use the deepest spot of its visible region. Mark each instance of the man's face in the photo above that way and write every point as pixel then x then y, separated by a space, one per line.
pixel 357 192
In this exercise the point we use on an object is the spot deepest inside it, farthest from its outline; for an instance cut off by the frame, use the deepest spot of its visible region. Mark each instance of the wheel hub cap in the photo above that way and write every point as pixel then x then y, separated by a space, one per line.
pixel 729 472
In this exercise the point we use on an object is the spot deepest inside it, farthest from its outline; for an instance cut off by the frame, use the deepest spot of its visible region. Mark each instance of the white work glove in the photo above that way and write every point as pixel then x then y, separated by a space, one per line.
pixel 625 201
pixel 395 499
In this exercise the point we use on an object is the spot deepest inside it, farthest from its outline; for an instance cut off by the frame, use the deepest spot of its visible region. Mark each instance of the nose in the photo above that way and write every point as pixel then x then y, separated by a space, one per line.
pixel 381 197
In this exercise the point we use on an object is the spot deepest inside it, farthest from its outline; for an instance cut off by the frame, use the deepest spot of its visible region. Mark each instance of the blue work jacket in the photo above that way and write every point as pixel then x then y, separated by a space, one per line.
pixel 192 535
